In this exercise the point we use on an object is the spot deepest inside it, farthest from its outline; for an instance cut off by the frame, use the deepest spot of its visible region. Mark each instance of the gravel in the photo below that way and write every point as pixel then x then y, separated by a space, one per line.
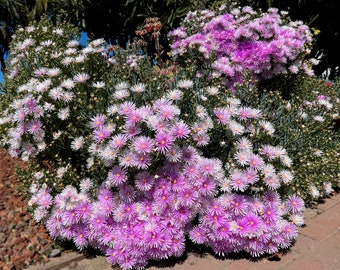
pixel 23 241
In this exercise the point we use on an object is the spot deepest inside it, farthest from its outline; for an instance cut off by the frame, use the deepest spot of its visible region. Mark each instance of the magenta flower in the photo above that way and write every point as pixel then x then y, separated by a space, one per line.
pixel 197 235
pixel 180 130
pixel 97 222
pixel 144 181
pixel 80 238
pixel 190 154
pixel 253 223
pixel 142 160
pixel 83 210
pixel 272 198
pixel 163 141
pixel 117 176
pixel 134 116
pixel 244 113
pixel 30 104
pixel 295 204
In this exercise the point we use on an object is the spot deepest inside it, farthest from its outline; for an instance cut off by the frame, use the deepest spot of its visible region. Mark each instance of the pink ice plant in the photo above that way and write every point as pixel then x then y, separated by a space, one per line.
pixel 264 44
pixel 159 169
pixel 145 213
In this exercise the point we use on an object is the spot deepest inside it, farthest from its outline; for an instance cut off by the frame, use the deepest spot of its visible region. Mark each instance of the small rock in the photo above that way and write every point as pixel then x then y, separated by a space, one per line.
pixel 72 265
pixel 319 211
pixel 55 253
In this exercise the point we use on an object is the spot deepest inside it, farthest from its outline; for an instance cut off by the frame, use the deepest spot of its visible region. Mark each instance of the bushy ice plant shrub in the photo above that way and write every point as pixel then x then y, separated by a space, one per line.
pixel 304 111
pixel 232 41
pixel 132 161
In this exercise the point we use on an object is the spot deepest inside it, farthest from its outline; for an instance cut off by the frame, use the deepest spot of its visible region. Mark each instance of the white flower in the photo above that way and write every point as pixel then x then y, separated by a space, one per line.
pixel 314 192
pixel 122 86
pixel 89 163
pixel 56 135
pixel 138 88
pixel 42 146
pixel 286 176
pixel 318 153
pixel 175 94
pixel 236 128
pixel 267 126
pixel 319 118
pixel 297 219
pixel 186 84
pixel 327 187
pixel 77 143
pixel 58 31
pixel 67 61
pixel 70 51
pixel 287 161
pixel 64 113
pixel 244 144
pixel 233 101
pixel 121 94
pixel 79 59
pixel 112 110
pixel 52 72
pixel 38 175
pixel 47 43
pixel 61 171
pixel 212 90
pixel 72 43
pixel 85 184
pixel 48 107
pixel 67 96
pixel 81 77
pixel 97 42
pixel 201 112
pixel 68 84
pixel 98 85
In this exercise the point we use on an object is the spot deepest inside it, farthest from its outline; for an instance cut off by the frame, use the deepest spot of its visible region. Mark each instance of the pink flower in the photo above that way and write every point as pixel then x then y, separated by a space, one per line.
pixel 256 162
pixel 131 130
pixel 118 141
pixel 238 181
pixel 142 160
pixel 144 181
pixel 97 121
pixel 163 141
pixel 167 112
pixel 180 130
pixel 101 134
pixel 295 204
pixel 197 235
pixel 126 108
pixel 117 176
pixel 143 144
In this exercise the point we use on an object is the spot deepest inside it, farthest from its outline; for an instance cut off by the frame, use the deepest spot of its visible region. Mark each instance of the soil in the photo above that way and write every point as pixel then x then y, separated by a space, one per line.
pixel 23 241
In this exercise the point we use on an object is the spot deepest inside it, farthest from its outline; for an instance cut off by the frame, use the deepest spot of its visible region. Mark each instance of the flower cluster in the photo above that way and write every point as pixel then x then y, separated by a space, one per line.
pixel 132 163
pixel 244 40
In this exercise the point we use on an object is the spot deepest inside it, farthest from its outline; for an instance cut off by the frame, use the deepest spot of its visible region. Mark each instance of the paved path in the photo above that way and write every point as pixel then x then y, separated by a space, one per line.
pixel 317 248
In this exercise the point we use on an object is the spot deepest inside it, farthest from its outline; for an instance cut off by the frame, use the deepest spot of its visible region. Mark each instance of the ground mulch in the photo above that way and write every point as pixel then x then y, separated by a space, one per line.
pixel 23 242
